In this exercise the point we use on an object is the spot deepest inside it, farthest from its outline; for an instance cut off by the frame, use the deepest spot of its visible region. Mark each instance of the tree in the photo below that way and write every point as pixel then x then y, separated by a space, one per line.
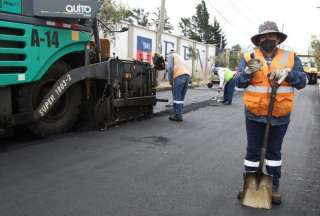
pixel 167 24
pixel 235 56
pixel 198 27
pixel 185 26
pixel 140 16
pixel 201 21
pixel 111 14
pixel 190 29
pixel 221 60
pixel 218 37
pixel 315 46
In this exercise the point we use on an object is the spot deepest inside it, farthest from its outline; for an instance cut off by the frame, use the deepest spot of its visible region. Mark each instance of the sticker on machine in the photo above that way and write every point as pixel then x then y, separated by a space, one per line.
pixel 21 77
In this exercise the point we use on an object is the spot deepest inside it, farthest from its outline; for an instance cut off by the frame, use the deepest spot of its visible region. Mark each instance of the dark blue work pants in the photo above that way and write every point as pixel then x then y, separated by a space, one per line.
pixel 180 87
pixel 255 133
pixel 229 90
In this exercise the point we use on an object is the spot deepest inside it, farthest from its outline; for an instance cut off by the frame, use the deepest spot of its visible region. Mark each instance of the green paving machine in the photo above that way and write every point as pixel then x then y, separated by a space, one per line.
pixel 55 70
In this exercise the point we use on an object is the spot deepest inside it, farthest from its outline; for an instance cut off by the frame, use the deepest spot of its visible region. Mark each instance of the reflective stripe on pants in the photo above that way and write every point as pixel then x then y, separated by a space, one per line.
pixel 180 87
pixel 255 133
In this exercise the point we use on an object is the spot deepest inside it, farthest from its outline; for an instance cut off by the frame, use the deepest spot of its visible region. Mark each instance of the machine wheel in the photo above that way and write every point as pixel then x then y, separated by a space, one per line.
pixel 65 112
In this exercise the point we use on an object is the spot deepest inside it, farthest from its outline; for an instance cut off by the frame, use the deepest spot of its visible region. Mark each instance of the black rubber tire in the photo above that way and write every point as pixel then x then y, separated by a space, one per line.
pixel 210 84
pixel 64 114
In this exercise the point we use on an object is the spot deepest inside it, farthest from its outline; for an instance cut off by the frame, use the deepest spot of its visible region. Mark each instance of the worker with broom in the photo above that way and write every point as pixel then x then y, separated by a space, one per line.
pixel 268 75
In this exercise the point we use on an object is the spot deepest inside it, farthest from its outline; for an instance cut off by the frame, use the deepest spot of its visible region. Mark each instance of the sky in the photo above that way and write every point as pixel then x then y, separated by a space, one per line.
pixel 240 19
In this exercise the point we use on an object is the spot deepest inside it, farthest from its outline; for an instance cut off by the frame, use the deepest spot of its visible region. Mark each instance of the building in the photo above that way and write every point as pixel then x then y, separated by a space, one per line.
pixel 140 43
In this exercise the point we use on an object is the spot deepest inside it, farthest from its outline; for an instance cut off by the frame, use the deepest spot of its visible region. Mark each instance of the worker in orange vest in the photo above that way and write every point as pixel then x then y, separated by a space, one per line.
pixel 268 62
pixel 179 76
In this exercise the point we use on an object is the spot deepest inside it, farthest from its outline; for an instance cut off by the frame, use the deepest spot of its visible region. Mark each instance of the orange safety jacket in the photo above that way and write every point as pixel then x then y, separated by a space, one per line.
pixel 179 67
pixel 257 94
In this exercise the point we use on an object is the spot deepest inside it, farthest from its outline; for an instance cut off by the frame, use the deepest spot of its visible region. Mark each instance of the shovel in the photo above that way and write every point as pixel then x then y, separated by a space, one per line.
pixel 257 188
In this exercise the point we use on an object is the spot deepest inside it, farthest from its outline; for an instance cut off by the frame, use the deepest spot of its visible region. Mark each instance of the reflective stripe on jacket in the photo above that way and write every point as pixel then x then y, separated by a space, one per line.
pixel 179 67
pixel 257 94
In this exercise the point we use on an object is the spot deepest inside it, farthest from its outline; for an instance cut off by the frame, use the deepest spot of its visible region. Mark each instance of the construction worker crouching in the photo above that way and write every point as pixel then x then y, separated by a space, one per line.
pixel 227 83
pixel 256 70
pixel 179 77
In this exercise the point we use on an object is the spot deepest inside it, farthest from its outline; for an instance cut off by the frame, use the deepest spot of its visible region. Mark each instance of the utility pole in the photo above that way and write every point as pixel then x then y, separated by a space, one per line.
pixel 161 27
pixel 282 28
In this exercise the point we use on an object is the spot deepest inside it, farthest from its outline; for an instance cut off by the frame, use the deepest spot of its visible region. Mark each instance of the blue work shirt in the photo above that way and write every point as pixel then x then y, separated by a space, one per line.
pixel 297 78
pixel 169 67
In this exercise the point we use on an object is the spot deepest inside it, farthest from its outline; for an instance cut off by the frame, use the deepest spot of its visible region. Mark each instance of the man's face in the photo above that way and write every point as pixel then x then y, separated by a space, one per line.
pixel 270 36
pixel 269 42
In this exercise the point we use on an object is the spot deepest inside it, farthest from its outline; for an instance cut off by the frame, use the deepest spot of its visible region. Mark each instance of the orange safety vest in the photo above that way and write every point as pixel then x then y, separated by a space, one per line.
pixel 179 67
pixel 257 94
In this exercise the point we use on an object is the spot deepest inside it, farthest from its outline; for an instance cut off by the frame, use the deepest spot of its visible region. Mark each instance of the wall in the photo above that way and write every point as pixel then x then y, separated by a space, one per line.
pixel 140 43
pixel 119 45
pixel 169 42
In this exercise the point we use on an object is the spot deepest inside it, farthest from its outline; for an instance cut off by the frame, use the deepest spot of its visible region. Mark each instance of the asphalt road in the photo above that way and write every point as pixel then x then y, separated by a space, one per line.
pixel 157 167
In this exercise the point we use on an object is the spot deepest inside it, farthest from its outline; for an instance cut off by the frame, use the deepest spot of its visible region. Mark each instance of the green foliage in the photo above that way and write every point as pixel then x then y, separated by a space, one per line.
pixel 111 14
pixel 185 26
pixel 140 16
pixel 221 59
pixel 218 36
pixel 167 24
pixel 315 45
pixel 201 21
pixel 235 56
pixel 198 27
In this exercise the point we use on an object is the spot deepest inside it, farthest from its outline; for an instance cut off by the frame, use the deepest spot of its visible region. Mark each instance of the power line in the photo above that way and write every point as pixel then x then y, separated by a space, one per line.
pixel 239 10
pixel 218 11
pixel 238 31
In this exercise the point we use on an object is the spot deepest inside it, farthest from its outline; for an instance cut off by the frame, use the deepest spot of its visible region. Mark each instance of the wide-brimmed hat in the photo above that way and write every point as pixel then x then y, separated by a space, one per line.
pixel 266 28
